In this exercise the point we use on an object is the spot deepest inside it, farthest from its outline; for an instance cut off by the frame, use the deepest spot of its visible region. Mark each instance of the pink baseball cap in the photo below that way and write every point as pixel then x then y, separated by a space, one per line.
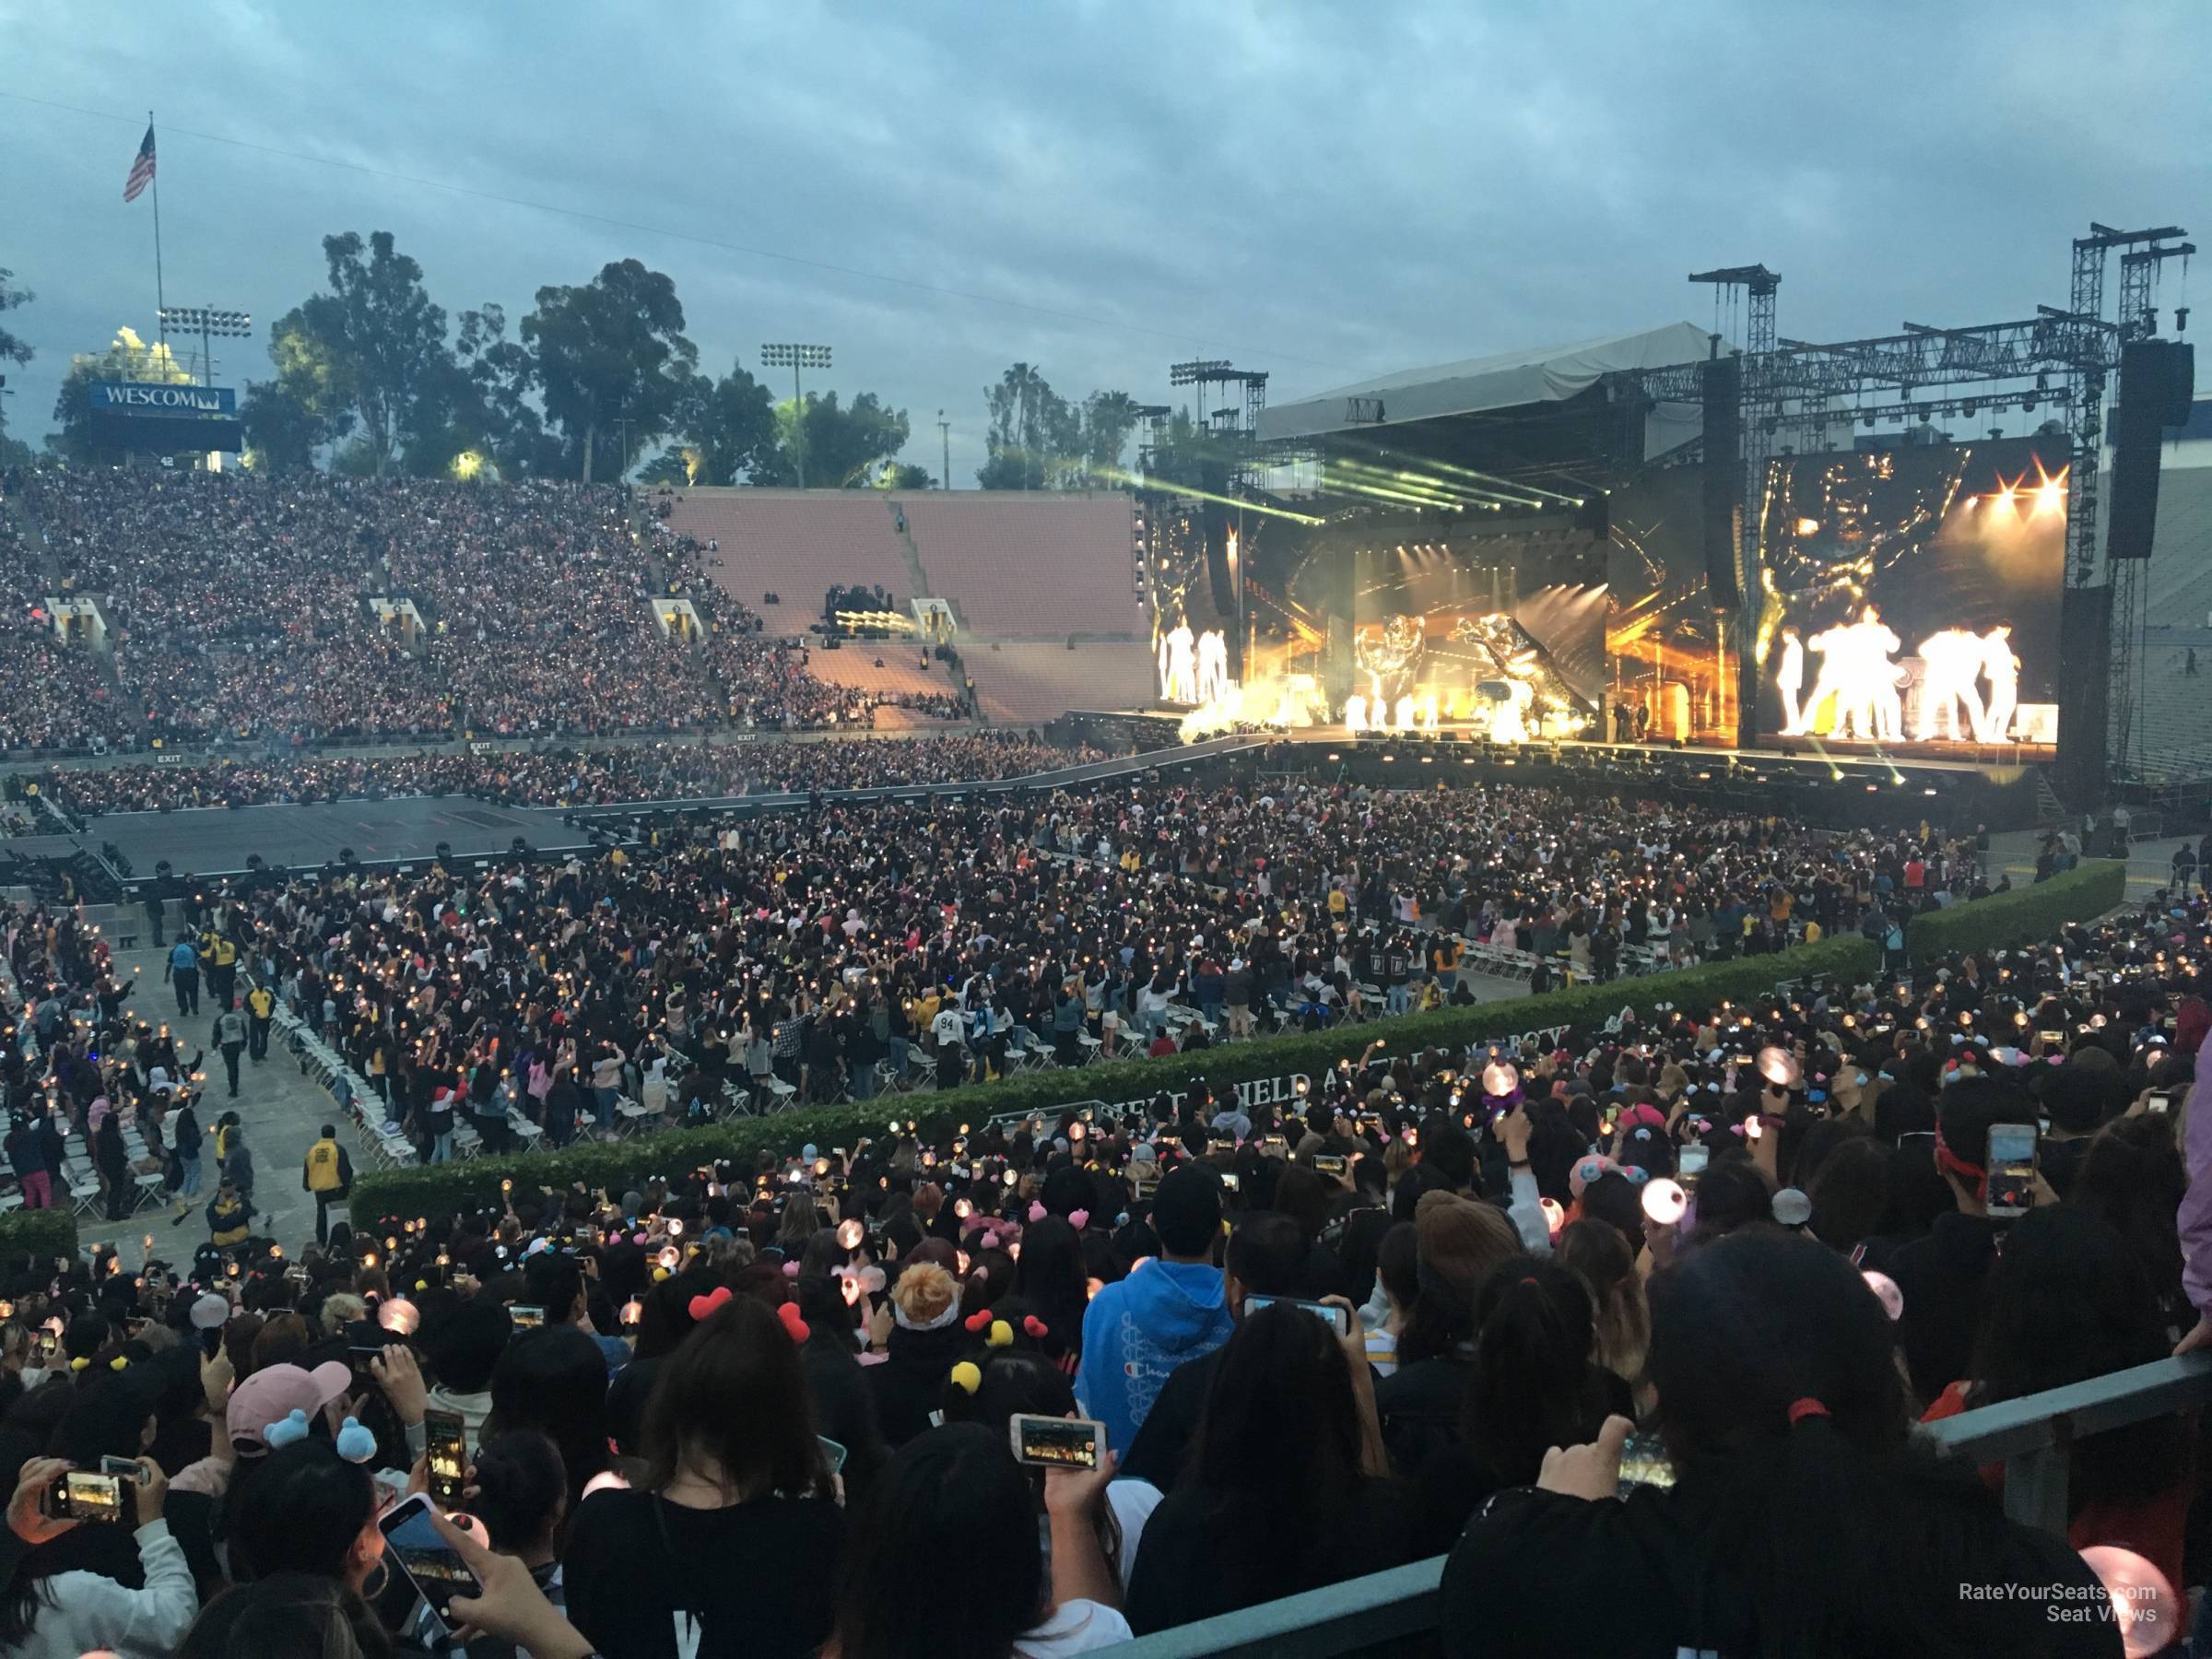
pixel 274 1391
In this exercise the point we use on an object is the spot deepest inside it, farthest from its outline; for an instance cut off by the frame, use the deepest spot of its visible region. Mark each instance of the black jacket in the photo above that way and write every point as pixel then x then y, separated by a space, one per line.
pixel 1944 1276
pixel 1537 1574
pixel 1419 1405
pixel 910 1383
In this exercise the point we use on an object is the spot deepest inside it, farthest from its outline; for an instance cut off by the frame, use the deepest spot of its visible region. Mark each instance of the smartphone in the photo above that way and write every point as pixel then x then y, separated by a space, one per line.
pixel 1051 1442
pixel 2053 1039
pixel 1232 1183
pixel 424 1559
pixel 527 1316
pixel 445 1441
pixel 1337 1319
pixel 1643 1462
pixel 84 1494
pixel 2011 1169
pixel 2160 1103
pixel 1690 1164
pixel 1327 1163
pixel 832 1454
pixel 123 1468
pixel 1143 1187
pixel 1275 1146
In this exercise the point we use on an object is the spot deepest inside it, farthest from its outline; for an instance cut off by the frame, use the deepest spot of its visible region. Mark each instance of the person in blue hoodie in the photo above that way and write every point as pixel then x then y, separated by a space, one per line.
pixel 1169 1311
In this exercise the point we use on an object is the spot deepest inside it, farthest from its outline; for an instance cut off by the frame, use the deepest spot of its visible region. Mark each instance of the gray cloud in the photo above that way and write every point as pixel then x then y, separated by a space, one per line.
pixel 1326 191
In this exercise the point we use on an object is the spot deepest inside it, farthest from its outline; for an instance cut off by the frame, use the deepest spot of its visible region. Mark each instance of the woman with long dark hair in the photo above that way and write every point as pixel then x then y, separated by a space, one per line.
pixel 730 1543
pixel 67 1596
pixel 552 1380
pixel 1804 1520
pixel 1287 1465
pixel 2068 1301
pixel 961 1483
pixel 1533 1384
pixel 1049 1278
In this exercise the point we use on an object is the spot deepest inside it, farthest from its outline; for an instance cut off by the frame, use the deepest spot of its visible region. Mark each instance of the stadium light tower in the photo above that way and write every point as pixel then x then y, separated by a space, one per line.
pixel 210 324
pixel 796 358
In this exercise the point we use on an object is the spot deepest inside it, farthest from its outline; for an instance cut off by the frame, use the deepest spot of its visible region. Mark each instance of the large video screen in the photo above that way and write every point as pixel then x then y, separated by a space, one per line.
pixel 1912 596
pixel 1672 660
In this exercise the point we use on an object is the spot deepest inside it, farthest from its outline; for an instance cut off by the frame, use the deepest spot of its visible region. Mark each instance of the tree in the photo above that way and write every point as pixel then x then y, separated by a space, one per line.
pixel 127 358
pixel 678 466
pixel 1108 419
pixel 496 418
pixel 845 445
pixel 309 405
pixel 899 474
pixel 13 349
pixel 386 336
pixel 1026 416
pixel 612 359
pixel 730 424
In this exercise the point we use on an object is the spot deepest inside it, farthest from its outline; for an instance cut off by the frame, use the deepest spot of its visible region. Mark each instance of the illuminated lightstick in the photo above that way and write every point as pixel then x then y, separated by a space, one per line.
pixel 1779 1066
pixel 1885 1291
pixel 2144 1609
pixel 1664 1202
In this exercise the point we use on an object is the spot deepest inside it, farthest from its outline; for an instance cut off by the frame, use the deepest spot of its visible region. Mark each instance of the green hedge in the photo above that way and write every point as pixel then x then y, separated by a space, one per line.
pixel 2009 918
pixel 419 1190
pixel 2021 916
pixel 47 1232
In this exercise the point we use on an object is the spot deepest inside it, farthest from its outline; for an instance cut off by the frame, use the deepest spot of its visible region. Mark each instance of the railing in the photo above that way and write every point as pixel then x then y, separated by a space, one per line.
pixel 2030 1437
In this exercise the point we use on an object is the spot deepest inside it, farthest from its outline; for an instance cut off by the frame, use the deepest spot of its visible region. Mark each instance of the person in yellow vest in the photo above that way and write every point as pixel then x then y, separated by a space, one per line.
pixel 229 1216
pixel 326 1172
pixel 260 1009
pixel 218 958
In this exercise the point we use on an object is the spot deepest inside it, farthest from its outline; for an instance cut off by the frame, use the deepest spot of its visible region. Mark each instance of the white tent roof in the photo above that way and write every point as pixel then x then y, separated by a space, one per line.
pixel 1551 374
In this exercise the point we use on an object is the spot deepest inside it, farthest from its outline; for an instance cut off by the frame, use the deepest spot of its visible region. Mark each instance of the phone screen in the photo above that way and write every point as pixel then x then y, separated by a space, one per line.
pixel 832 1454
pixel 1691 1164
pixel 1049 1443
pixel 445 1441
pixel 2011 1168
pixel 1337 1319
pixel 1325 1163
pixel 84 1494
pixel 432 1566
pixel 1643 1462
pixel 2159 1103
pixel 527 1316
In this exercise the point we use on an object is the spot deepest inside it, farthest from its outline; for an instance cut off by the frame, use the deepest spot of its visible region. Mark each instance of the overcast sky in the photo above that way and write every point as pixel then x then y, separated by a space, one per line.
pixel 1325 191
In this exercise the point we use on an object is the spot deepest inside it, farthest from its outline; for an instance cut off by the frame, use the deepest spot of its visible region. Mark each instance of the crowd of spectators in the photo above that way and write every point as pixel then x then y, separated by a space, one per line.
pixel 566 777
pixel 238 606
pixel 1633 1324
pixel 841 949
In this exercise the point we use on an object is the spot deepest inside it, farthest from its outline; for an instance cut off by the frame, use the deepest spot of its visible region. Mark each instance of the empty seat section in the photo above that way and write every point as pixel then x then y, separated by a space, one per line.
pixel 795 544
pixel 1025 684
pixel 1026 566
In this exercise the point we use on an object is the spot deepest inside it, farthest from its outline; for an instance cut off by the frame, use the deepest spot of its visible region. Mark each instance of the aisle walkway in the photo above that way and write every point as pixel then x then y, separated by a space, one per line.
pixel 280 1110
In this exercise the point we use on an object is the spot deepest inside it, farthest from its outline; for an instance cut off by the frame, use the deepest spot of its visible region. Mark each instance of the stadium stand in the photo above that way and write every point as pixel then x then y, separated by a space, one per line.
pixel 1023 683
pixel 794 544
pixel 1025 567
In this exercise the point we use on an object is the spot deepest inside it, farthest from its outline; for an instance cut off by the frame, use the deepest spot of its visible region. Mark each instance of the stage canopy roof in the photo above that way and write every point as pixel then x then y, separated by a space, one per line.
pixel 1551 374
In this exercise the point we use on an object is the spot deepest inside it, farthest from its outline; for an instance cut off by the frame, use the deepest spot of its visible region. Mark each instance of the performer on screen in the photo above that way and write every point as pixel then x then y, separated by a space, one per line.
pixel 2002 664
pixel 1790 681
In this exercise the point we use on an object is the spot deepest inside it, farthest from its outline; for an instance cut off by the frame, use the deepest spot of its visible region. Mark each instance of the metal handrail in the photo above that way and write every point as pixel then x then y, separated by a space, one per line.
pixel 2030 1437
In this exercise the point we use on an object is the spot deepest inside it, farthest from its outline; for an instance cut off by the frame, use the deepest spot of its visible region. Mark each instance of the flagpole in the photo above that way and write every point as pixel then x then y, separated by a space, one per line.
pixel 160 300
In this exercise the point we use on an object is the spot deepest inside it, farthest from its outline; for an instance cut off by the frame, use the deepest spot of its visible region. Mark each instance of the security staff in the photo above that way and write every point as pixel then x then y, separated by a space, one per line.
pixel 218 955
pixel 260 1009
pixel 326 1172
pixel 229 1218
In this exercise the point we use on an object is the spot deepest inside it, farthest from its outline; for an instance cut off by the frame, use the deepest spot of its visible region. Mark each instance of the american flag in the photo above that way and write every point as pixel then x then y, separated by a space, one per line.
pixel 142 169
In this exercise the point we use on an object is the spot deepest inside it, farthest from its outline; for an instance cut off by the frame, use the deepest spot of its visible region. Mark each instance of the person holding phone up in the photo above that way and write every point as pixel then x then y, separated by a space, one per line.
pixel 52 1609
